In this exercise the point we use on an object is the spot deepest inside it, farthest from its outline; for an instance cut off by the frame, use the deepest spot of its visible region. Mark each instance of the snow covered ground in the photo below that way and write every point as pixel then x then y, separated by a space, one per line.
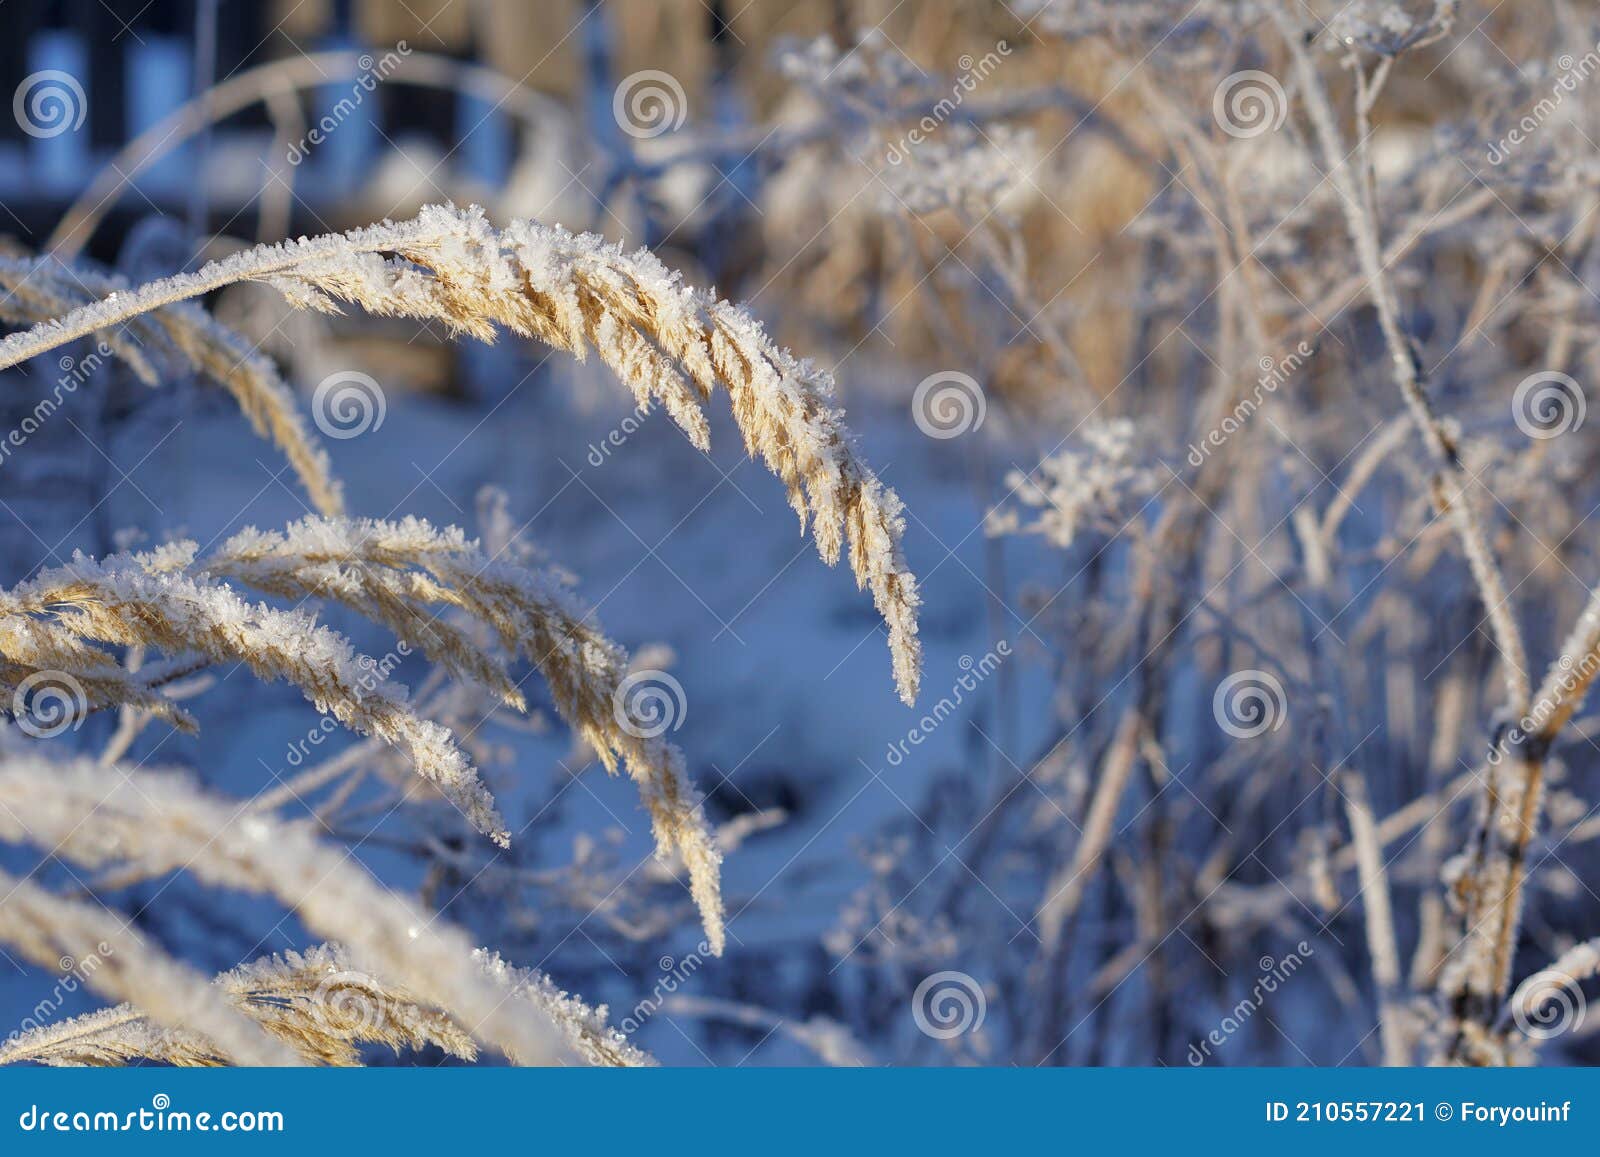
pixel 783 664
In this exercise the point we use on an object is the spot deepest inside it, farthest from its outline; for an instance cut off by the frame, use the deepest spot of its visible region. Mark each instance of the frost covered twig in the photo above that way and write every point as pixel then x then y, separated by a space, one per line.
pixel 1488 878
pixel 584 1029
pixel 1379 914
pixel 1490 884
pixel 1452 480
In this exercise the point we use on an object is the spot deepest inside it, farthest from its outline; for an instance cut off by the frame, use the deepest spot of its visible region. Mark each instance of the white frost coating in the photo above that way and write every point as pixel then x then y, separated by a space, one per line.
pixel 102 816
pixel 45 928
pixel 405 575
pixel 41 289
pixel 322 1006
pixel 584 1028
pixel 132 600
pixel 668 343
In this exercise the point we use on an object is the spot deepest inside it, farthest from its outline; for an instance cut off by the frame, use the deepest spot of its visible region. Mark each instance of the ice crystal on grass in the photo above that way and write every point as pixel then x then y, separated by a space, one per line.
pixel 182 333
pixel 668 343
pixel 323 1008
pixel 1098 485
pixel 406 575
pixel 105 816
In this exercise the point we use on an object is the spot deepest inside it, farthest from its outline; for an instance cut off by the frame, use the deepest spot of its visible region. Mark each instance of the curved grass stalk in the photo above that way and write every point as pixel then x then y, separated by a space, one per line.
pixel 669 344
pixel 102 816
pixel 38 290
pixel 54 932
pixel 404 575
